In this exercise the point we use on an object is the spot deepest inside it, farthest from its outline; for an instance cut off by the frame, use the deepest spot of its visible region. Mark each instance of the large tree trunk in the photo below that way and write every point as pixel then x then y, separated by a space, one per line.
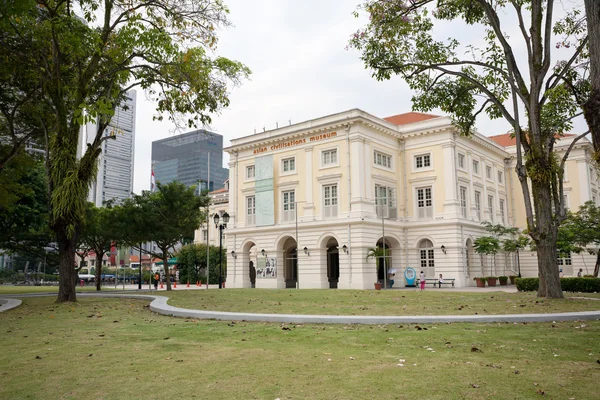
pixel 67 276
pixel 597 266
pixel 99 258
pixel 545 240
pixel 591 108
pixel 166 268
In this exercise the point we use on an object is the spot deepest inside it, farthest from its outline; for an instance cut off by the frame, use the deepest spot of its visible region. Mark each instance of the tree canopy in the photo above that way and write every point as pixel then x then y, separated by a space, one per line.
pixel 486 75
pixel 166 217
pixel 71 62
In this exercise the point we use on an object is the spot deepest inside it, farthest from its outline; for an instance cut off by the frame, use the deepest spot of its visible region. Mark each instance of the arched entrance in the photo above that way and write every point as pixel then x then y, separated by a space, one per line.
pixel 248 260
pixel 333 263
pixel 290 255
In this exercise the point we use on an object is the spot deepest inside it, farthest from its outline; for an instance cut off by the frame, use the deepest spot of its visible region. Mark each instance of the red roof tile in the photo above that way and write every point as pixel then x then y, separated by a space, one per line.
pixel 409 118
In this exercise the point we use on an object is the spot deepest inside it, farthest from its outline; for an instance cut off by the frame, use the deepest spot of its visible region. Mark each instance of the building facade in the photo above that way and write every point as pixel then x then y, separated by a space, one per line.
pixel 309 202
pixel 185 158
pixel 114 180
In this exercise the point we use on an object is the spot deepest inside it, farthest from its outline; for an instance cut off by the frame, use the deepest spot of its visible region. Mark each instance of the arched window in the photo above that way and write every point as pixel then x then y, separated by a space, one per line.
pixel 426 254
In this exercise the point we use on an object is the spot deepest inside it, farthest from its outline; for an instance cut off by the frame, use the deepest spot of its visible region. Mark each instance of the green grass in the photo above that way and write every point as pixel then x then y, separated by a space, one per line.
pixel 117 349
pixel 371 302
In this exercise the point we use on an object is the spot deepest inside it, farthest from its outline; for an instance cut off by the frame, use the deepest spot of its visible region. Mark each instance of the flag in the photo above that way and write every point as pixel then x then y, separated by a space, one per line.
pixel 152 182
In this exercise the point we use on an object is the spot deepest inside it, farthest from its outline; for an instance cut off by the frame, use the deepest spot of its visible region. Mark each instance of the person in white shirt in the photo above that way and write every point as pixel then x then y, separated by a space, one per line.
pixel 440 281
pixel 422 280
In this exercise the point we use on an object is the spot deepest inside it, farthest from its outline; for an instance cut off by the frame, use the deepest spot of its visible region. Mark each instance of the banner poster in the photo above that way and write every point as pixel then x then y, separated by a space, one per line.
pixel 267 267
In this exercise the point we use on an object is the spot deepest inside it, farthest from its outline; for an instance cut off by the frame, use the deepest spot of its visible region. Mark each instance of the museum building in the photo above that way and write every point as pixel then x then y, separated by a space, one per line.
pixel 310 203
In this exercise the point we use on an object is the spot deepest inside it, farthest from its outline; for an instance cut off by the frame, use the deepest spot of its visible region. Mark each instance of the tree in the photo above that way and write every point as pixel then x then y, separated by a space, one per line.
pixel 591 107
pixel 583 229
pixel 191 260
pixel 515 241
pixel 98 234
pixel 487 245
pixel 166 217
pixel 82 65
pixel 532 97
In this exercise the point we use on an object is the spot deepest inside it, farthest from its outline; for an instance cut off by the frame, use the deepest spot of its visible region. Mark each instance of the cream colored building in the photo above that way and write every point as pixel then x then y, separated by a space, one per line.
pixel 308 201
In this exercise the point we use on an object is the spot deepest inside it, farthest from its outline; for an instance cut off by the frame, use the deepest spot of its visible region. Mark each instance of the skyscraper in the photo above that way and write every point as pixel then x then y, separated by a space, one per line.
pixel 115 169
pixel 184 158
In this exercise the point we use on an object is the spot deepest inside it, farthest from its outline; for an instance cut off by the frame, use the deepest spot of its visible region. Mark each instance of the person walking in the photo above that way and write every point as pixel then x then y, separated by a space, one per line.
pixel 156 278
pixel 422 280
pixel 580 273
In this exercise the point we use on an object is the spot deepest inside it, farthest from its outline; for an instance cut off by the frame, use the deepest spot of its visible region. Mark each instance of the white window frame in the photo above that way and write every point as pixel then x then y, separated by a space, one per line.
pixel 288 205
pixel 461 158
pixel 488 172
pixel 500 177
pixel 381 159
pixel 424 202
pixel 491 207
pixel 475 167
pixel 205 235
pixel 564 259
pixel 425 160
pixel 426 256
pixel 290 164
pixel 463 200
pixel 385 201
pixel 330 200
pixel 328 153
pixel 502 214
pixel 250 172
pixel 250 210
pixel 478 204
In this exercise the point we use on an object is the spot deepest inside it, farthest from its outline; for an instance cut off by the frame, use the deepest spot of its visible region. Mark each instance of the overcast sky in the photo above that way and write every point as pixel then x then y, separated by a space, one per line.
pixel 300 70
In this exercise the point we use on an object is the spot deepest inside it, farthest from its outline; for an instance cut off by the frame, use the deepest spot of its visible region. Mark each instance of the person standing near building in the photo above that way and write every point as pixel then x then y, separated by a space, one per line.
pixel 156 278
pixel 422 280
pixel 580 273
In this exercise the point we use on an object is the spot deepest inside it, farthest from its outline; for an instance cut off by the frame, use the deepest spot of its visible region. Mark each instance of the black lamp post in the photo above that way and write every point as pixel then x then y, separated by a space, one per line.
pixel 221 226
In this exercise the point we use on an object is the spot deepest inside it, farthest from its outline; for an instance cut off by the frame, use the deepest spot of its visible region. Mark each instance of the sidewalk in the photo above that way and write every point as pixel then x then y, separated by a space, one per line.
pixel 159 305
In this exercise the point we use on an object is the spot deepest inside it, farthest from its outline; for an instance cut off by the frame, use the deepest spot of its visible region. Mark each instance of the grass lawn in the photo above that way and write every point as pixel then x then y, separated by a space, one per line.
pixel 371 302
pixel 117 349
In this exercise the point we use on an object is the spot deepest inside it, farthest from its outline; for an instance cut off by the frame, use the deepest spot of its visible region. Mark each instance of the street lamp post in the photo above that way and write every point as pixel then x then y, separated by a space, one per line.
pixel 220 227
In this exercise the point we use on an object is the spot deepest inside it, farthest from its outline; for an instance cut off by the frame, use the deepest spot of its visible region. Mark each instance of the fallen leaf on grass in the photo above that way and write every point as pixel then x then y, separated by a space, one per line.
pixel 475 350
pixel 541 392
pixel 474 385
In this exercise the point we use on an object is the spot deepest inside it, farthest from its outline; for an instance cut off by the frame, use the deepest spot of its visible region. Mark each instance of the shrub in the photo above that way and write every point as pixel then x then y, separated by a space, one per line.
pixel 581 285
pixel 527 284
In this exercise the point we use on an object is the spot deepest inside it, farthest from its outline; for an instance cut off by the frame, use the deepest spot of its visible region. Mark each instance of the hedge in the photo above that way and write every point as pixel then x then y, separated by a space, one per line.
pixel 581 285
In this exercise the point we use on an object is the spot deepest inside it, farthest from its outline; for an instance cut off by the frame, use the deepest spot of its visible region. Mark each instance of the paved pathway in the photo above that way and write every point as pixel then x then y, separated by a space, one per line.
pixel 159 305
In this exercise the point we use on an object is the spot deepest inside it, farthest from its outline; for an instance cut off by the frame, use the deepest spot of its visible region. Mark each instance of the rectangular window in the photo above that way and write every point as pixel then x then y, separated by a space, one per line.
pixel 289 205
pixel 329 157
pixel 382 159
pixel 250 172
pixel 385 202
pixel 330 201
pixel 205 235
pixel 289 164
pixel 502 212
pixel 251 210
pixel 423 161
pixel 461 161
pixel 476 167
pixel 500 176
pixel 491 207
pixel 564 259
pixel 488 172
pixel 424 202
pixel 478 204
pixel 463 201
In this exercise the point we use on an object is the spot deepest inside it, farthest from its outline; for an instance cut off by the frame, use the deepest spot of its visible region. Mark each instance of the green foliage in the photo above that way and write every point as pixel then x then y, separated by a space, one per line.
pixel 486 245
pixel 192 263
pixel 578 285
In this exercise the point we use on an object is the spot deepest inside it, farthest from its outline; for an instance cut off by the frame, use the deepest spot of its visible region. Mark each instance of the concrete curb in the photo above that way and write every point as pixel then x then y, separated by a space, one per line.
pixel 159 305
pixel 7 304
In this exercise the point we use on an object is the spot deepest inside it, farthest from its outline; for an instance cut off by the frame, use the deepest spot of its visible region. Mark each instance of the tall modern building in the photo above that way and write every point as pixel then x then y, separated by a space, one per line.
pixel 115 169
pixel 184 158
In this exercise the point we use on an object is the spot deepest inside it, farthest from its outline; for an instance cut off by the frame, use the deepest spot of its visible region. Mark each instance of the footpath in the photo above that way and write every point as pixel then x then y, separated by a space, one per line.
pixel 159 305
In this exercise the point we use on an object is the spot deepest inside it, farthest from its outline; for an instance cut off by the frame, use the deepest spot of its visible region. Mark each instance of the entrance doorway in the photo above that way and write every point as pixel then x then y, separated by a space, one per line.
pixel 290 252
pixel 333 263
